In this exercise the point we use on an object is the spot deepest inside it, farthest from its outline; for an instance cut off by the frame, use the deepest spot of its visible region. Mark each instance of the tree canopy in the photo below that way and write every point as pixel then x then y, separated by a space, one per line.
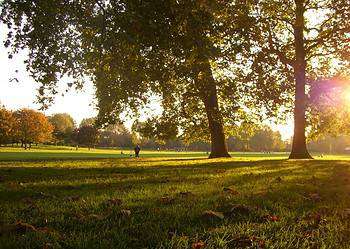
pixel 63 125
pixel 296 43
pixel 7 125
pixel 180 51
pixel 32 126
pixel 210 63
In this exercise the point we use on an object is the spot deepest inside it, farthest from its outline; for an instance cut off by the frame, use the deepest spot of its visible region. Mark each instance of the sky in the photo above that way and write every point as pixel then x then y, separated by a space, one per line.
pixel 15 95
pixel 22 94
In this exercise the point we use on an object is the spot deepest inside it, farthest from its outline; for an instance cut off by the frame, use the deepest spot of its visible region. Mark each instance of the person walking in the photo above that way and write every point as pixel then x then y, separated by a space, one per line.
pixel 137 150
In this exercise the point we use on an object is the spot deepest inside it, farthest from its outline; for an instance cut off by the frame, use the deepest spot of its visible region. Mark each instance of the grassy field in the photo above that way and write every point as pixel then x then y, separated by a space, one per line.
pixel 49 199
pixel 67 153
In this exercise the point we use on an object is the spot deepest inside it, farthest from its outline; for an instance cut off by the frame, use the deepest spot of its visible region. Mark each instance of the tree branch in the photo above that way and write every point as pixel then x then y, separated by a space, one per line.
pixel 282 57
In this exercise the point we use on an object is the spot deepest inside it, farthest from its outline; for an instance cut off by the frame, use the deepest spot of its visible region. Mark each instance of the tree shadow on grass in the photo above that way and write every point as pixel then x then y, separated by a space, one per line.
pixel 153 221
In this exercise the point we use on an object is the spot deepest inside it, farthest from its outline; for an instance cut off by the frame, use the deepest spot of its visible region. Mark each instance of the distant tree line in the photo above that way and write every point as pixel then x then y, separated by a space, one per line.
pixel 27 127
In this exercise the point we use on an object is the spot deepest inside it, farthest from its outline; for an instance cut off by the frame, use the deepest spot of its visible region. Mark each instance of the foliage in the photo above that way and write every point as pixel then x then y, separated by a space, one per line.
pixel 87 122
pixel 63 125
pixel 330 144
pixel 179 51
pixel 326 50
pixel 32 127
pixel 158 128
pixel 115 136
pixel 7 125
pixel 291 50
pixel 86 135
pixel 265 139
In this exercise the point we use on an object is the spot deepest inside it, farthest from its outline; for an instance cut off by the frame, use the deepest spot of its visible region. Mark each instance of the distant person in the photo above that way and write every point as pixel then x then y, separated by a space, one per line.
pixel 137 150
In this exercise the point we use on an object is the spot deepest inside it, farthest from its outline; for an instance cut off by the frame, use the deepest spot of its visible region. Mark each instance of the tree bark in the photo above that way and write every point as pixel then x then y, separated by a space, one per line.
pixel 299 149
pixel 206 86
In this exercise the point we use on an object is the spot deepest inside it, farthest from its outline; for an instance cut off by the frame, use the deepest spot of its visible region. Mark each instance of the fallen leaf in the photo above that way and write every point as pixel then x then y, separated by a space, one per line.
pixel 198 245
pixel 46 230
pixel 241 242
pixel 316 218
pixel 186 193
pixel 13 185
pixel 268 217
pixel 309 234
pixel 220 171
pixel 167 200
pixel 279 179
pixel 273 218
pixel 125 212
pixel 230 191
pixel 28 200
pixel 47 246
pixel 262 193
pixel 239 209
pixel 42 195
pixel 97 216
pixel 114 202
pixel 73 198
pixel 22 227
pixel 313 197
pixel 213 214
pixel 261 244
pixel 346 213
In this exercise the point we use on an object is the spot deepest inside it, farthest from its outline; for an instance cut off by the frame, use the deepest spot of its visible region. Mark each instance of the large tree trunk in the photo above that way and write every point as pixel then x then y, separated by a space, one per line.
pixel 299 149
pixel 205 83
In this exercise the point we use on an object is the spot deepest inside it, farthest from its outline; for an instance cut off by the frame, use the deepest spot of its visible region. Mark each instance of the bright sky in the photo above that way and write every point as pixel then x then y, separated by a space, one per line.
pixel 78 104
pixel 23 94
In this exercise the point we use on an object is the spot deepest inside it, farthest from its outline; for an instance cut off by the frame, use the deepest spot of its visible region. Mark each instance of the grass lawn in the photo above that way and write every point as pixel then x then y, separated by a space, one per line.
pixel 172 200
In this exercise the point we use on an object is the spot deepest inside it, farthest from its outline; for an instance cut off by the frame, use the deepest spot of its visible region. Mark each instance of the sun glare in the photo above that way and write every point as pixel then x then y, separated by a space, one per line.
pixel 346 96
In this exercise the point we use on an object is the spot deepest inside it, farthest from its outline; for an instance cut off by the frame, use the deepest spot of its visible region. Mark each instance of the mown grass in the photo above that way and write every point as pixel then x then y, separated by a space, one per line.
pixel 159 202
pixel 69 153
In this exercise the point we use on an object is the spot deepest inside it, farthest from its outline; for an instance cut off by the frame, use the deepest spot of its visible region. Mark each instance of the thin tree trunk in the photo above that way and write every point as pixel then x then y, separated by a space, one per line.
pixel 205 83
pixel 299 149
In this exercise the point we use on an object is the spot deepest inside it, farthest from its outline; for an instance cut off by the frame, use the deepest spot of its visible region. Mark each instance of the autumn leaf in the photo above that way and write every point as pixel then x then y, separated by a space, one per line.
pixel 241 242
pixel 114 202
pixel 47 246
pixel 98 216
pixel 346 213
pixel 213 215
pixel 230 191
pixel 28 200
pixel 186 193
pixel 125 212
pixel 167 200
pixel 42 195
pixel 198 245
pixel 239 209
pixel 313 197
pixel 73 198
pixel 260 242
pixel 22 227
pixel 279 179
pixel 316 218
pixel 273 218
